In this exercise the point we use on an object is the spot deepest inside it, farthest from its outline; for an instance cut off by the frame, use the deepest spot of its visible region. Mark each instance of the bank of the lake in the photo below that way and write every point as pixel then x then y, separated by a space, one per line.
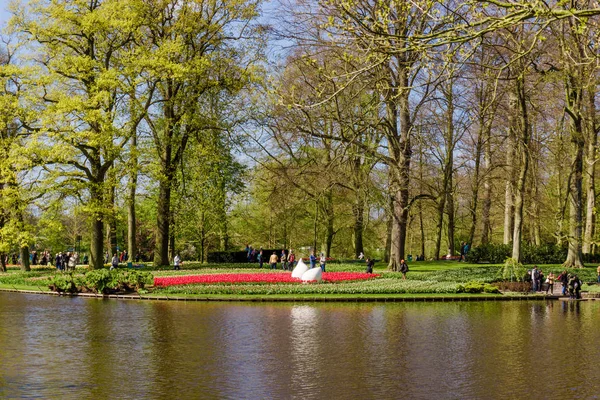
pixel 427 281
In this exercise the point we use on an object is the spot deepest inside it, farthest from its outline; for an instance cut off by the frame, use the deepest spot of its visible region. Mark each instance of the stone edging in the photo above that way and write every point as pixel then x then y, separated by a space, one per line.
pixel 297 299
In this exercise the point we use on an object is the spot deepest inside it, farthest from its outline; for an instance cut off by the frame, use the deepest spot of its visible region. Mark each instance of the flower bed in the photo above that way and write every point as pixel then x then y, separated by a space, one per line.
pixel 273 277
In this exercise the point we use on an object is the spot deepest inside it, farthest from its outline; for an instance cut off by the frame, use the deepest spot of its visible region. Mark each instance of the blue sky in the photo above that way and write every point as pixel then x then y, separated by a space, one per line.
pixel 3 14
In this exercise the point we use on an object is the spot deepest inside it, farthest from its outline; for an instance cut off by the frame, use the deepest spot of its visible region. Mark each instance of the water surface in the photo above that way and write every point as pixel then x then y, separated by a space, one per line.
pixel 55 347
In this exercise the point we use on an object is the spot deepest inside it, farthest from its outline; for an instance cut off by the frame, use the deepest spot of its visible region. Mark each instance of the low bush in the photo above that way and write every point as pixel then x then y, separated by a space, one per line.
pixel 547 253
pixel 518 287
pixel 490 252
pixel 101 281
pixel 477 287
pixel 63 283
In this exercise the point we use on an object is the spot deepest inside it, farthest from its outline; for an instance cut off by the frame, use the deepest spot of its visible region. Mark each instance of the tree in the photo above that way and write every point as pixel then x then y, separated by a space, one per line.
pixel 193 49
pixel 81 47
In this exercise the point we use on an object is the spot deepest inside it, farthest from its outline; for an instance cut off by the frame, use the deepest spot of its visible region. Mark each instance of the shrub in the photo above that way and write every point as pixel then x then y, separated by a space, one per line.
pixel 519 287
pixel 547 253
pixel 477 287
pixel 101 281
pixel 63 283
pixel 512 270
pixel 490 252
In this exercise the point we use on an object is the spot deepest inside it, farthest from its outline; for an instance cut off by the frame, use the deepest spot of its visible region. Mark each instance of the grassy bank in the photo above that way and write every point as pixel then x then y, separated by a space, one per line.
pixel 425 279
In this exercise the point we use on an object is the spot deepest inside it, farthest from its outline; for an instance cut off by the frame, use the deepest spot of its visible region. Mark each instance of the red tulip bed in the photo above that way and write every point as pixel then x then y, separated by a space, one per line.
pixel 272 277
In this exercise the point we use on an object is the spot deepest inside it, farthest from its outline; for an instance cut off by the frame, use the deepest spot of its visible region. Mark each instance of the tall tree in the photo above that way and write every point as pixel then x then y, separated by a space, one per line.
pixel 81 48
pixel 194 48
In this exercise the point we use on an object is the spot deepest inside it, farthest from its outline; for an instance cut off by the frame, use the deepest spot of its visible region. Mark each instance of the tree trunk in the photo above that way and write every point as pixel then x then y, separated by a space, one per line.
pixel 440 223
pixel 475 183
pixel 509 207
pixel 486 228
pixel 590 172
pixel 25 264
pixel 358 211
pixel 2 262
pixel 161 253
pixel 422 228
pixel 523 145
pixel 172 250
pixel 574 255
pixel 449 168
pixel 97 243
pixel 402 153
pixel 450 208
pixel 388 236
pixel 131 217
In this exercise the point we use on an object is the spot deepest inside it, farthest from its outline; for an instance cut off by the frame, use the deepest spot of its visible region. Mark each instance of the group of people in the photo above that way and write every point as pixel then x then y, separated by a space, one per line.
pixel 288 260
pixel 570 282
pixel 66 261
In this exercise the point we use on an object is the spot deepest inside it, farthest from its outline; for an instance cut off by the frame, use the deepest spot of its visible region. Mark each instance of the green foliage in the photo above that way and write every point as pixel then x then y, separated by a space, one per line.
pixel 512 270
pixel 490 252
pixel 106 281
pixel 548 253
pixel 100 281
pixel 477 287
pixel 64 283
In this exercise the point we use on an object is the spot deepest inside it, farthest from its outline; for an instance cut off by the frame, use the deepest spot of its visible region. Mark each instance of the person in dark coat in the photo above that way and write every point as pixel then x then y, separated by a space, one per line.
pixel 403 268
pixel 370 264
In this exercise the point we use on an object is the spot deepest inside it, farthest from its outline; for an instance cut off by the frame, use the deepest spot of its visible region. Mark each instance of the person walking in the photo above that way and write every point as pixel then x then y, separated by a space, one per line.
pixel 273 260
pixel 598 272
pixel 550 283
pixel 403 268
pixel 291 260
pixel 177 262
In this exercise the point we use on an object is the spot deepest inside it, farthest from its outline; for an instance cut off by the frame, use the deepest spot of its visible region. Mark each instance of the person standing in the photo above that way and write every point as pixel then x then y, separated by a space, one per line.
pixel 72 262
pixel 283 259
pixel 260 259
pixel 115 261
pixel 291 259
pixel 403 268
pixel 322 261
pixel 370 264
pixel 563 278
pixel 313 259
pixel 58 261
pixel 598 272
pixel 177 262
pixel 273 260
pixel 535 277
pixel 550 283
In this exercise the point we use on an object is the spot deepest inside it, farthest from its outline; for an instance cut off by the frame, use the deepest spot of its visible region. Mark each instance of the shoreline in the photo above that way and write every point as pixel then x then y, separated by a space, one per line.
pixel 364 298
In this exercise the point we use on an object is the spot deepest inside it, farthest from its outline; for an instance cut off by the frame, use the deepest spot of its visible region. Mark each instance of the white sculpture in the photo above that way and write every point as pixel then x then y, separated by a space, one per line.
pixel 299 269
pixel 313 274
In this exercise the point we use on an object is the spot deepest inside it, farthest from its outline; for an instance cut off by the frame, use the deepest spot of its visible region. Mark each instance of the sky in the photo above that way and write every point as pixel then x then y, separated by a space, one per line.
pixel 3 14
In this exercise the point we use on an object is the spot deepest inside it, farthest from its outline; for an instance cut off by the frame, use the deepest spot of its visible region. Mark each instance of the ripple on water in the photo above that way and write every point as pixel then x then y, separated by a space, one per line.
pixel 71 348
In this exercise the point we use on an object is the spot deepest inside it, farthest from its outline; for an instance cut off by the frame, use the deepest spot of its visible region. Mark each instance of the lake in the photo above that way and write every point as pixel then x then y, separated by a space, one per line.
pixel 61 347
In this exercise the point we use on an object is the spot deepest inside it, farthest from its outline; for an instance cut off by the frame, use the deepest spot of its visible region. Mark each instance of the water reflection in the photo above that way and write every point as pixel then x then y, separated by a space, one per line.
pixel 73 348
